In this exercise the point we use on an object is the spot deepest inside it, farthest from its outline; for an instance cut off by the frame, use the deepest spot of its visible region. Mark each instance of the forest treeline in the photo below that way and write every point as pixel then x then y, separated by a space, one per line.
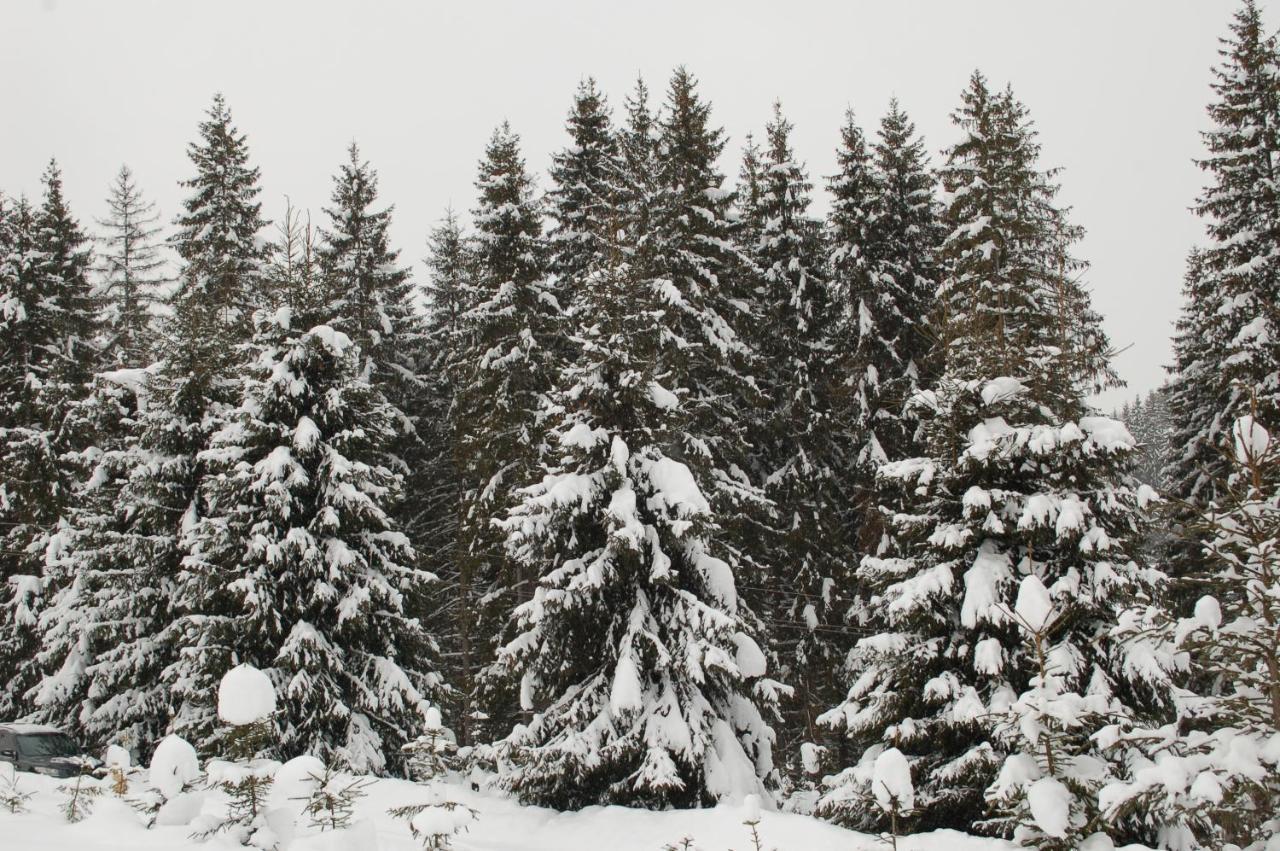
pixel 658 487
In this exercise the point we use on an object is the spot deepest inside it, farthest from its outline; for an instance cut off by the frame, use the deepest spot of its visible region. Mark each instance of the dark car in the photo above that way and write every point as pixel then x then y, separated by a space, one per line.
pixel 43 750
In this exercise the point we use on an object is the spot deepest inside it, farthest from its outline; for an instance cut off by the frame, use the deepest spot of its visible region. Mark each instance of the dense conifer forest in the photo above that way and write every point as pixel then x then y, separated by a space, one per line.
pixel 653 487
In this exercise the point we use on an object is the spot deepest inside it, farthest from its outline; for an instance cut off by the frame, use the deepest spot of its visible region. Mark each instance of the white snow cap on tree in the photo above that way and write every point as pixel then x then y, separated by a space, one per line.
pixel 891 782
pixel 117 757
pixel 1050 803
pixel 245 696
pixel 173 765
pixel 751 809
pixel 296 780
pixel 1252 440
pixel 1034 607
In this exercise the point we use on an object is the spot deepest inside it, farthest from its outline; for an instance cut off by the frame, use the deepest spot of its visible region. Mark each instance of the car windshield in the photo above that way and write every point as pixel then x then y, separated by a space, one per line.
pixel 46 744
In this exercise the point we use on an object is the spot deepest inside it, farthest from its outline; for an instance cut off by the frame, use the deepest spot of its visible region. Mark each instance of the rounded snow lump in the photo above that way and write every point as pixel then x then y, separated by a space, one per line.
pixel 245 696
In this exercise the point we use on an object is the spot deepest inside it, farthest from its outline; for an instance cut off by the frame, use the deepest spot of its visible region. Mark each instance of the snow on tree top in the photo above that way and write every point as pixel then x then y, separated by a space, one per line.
pixel 173 765
pixel 245 696
pixel 1034 607
pixel 335 341
pixel 1107 433
pixel 1050 804
pixel 1251 439
pixel 891 782
pixel 999 389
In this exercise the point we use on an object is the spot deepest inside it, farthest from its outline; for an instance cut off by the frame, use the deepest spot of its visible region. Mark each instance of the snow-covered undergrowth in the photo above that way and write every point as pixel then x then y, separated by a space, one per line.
pixel 502 825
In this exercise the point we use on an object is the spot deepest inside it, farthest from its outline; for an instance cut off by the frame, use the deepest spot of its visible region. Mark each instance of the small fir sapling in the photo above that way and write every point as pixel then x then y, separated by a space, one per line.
pixel 1045 791
pixel 751 818
pixel 684 843
pixel 12 798
pixel 333 798
pixel 246 701
pixel 435 822
pixel 892 790
pixel 80 794
pixel 172 776
pixel 119 767
pixel 434 752
pixel 1212 777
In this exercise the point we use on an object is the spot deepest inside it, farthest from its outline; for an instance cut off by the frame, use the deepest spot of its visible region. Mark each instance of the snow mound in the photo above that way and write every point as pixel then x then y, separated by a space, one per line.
pixel 173 765
pixel 295 781
pixel 1050 804
pixel 999 389
pixel 891 782
pixel 245 696
pixel 1251 439
pixel 117 757
pixel 1034 608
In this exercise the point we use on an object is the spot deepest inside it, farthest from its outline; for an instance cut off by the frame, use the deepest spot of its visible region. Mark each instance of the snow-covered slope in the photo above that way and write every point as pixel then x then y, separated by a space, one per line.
pixel 502 825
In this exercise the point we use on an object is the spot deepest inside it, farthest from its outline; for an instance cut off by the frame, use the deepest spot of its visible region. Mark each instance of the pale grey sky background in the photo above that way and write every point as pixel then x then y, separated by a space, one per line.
pixel 1117 88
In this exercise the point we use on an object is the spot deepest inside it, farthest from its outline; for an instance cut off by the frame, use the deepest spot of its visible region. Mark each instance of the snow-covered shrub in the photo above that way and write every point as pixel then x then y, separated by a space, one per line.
pixel 892 789
pixel 119 766
pixel 246 701
pixel 172 797
pixel 12 798
pixel 436 821
pixel 79 794
pixel 331 804
pixel 433 752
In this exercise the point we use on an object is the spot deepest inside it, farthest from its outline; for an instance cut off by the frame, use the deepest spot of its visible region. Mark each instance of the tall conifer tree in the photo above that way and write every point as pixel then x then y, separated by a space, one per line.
pixel 512 322
pixel 131 279
pixel 50 308
pixel 1019 480
pixel 798 449
pixel 152 665
pixel 1225 348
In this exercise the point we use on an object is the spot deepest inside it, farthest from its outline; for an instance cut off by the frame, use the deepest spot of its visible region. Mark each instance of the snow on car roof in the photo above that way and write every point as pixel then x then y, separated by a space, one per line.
pixel 28 729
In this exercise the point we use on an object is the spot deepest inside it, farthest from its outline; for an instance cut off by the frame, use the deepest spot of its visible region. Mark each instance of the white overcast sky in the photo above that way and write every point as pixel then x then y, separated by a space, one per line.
pixel 1116 87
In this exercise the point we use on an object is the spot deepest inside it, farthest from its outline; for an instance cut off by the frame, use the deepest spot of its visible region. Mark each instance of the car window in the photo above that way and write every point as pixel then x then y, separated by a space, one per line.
pixel 46 744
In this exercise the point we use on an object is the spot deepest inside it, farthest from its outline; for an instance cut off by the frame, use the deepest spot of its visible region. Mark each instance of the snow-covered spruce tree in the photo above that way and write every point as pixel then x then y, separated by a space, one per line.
pixel 448 290
pixel 297 565
pixel 88 555
pixel 582 192
pixel 47 308
pixel 1149 423
pixel 883 235
pixel 896 294
pixel 1212 778
pixel 710 296
pixel 294 266
pixel 643 676
pixel 131 280
pixel 30 484
pixel 371 298
pixel 1019 479
pixel 86 558
pixel 143 675
pixel 688 231
pixel 511 325
pixel 798 449
pixel 1227 335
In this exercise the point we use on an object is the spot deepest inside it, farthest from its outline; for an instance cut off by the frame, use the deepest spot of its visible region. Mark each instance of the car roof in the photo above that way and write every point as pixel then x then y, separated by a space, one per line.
pixel 28 729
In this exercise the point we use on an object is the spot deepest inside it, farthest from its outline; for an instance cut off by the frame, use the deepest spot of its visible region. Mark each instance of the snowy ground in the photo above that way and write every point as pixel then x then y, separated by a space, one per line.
pixel 503 825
